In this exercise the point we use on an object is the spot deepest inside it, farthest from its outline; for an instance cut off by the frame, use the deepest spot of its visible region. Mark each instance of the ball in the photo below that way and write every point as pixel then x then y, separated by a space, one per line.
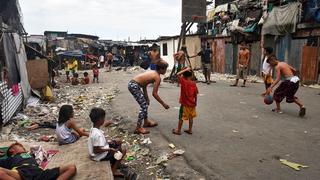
pixel 268 99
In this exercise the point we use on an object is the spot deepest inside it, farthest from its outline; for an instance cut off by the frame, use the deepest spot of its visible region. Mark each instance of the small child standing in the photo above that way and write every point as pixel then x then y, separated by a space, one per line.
pixel 188 100
pixel 95 73
pixel 99 148
pixel 65 126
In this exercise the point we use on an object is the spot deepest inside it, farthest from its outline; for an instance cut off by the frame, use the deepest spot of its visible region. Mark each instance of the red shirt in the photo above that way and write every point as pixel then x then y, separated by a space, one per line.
pixel 86 80
pixel 96 71
pixel 189 92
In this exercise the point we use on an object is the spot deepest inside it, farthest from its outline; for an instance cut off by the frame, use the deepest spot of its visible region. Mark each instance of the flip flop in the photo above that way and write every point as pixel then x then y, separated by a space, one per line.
pixel 233 85
pixel 243 86
pixel 119 175
pixel 276 111
pixel 175 132
pixel 302 112
pixel 188 132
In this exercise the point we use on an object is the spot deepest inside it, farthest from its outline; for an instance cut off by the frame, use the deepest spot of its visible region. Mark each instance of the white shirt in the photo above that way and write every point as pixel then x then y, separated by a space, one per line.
pixel 266 68
pixel 101 58
pixel 97 139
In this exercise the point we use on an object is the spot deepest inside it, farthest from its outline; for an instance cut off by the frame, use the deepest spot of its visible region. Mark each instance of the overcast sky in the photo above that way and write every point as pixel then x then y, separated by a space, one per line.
pixel 108 19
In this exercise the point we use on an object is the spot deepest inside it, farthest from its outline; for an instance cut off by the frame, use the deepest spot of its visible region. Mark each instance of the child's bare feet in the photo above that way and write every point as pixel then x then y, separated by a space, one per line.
pixel 188 131
pixel 141 131
pixel 176 132
pixel 302 111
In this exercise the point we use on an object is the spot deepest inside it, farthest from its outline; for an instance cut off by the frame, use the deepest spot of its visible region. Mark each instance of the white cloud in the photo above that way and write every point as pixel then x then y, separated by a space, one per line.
pixel 108 19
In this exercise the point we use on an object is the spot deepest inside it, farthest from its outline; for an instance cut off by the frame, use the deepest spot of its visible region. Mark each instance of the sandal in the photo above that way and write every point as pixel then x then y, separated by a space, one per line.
pixel 302 112
pixel 277 111
pixel 141 131
pixel 175 132
pixel 188 132
pixel 233 85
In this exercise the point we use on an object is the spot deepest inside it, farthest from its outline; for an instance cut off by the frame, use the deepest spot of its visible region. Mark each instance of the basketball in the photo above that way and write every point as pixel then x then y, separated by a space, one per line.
pixel 268 99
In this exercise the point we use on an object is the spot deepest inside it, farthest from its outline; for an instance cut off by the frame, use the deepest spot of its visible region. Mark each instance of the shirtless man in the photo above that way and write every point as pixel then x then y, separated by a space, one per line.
pixel 154 56
pixel 242 64
pixel 138 88
pixel 288 88
pixel 109 56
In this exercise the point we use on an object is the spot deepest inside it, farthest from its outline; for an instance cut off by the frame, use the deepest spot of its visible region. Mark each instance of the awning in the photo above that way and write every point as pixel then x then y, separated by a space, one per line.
pixel 224 8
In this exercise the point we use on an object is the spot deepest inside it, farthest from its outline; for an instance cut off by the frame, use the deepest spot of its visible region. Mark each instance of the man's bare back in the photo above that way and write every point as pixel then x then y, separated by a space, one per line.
pixel 285 69
pixel 147 77
pixel 109 56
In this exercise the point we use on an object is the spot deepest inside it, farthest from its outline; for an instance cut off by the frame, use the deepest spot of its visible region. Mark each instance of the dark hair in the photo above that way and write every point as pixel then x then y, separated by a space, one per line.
pixel 161 64
pixel 187 74
pixel 269 50
pixel 97 114
pixel 271 57
pixel 12 145
pixel 75 75
pixel 85 74
pixel 65 113
pixel 183 48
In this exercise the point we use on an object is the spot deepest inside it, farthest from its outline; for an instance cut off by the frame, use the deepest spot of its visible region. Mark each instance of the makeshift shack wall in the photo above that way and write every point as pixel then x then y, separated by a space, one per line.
pixel 171 49
pixel 38 73
pixel 229 58
pixel 255 58
pixel 193 47
pixel 219 55
pixel 309 64
pixel 295 52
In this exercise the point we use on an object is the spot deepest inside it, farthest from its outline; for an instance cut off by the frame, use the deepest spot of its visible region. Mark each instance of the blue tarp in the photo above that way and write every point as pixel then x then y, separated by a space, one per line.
pixel 77 54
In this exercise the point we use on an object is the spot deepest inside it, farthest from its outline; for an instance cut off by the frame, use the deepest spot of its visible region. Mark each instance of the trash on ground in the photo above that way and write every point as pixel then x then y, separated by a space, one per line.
pixel 179 152
pixel 172 146
pixel 292 165
pixel 146 141
pixel 162 159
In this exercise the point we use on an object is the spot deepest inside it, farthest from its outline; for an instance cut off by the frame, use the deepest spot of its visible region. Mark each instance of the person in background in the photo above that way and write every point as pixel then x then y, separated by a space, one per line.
pixel 21 165
pixel 86 79
pixel 75 79
pixel 67 70
pixel 266 71
pixel 101 59
pixel 66 124
pixel 242 64
pixel 154 57
pixel 95 71
pixel 109 61
pixel 73 66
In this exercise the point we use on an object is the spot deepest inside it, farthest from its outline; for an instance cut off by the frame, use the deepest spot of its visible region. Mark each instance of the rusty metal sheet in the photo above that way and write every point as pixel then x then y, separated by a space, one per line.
pixel 219 56
pixel 309 64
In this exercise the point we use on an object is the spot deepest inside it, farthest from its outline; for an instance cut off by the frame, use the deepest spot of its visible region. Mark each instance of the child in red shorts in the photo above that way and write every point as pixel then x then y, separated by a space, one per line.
pixel 188 100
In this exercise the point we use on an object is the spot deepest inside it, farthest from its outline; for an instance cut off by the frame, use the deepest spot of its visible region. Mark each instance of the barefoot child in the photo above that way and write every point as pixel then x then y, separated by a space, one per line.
pixel 138 88
pixel 288 88
pixel 86 79
pixel 95 71
pixel 65 126
pixel 99 148
pixel 188 100
pixel 21 165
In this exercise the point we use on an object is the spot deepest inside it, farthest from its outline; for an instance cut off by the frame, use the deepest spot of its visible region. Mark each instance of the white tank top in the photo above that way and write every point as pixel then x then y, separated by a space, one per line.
pixel 62 132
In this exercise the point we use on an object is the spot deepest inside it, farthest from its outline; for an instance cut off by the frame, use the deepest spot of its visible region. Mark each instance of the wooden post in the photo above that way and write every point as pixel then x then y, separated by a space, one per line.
pixel 318 60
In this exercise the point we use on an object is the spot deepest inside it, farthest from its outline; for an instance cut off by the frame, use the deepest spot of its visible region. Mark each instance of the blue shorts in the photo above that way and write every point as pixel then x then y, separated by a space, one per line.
pixel 153 66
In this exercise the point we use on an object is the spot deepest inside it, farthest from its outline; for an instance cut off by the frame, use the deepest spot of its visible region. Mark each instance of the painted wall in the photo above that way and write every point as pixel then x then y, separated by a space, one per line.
pixel 193 47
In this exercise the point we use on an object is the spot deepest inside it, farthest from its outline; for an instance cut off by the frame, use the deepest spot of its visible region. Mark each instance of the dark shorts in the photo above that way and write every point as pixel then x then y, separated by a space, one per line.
pixel 153 66
pixel 109 62
pixel 72 139
pixel 67 73
pixel 110 156
pixel 286 89
pixel 95 75
pixel 35 173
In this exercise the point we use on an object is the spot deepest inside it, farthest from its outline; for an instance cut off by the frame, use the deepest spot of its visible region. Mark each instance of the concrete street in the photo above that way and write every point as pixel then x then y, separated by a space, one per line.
pixel 236 136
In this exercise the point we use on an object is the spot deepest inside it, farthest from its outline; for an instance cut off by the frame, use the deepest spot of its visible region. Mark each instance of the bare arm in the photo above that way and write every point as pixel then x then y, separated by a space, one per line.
pixel 73 126
pixel 181 72
pixel 276 81
pixel 155 93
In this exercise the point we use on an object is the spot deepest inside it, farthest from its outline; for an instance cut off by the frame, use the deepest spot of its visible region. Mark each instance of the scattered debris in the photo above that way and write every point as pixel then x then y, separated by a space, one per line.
pixel 162 159
pixel 179 152
pixel 146 141
pixel 172 146
pixel 292 165
pixel 235 131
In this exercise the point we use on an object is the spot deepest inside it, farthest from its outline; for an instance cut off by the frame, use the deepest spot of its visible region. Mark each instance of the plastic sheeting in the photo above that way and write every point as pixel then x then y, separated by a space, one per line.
pixel 282 20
